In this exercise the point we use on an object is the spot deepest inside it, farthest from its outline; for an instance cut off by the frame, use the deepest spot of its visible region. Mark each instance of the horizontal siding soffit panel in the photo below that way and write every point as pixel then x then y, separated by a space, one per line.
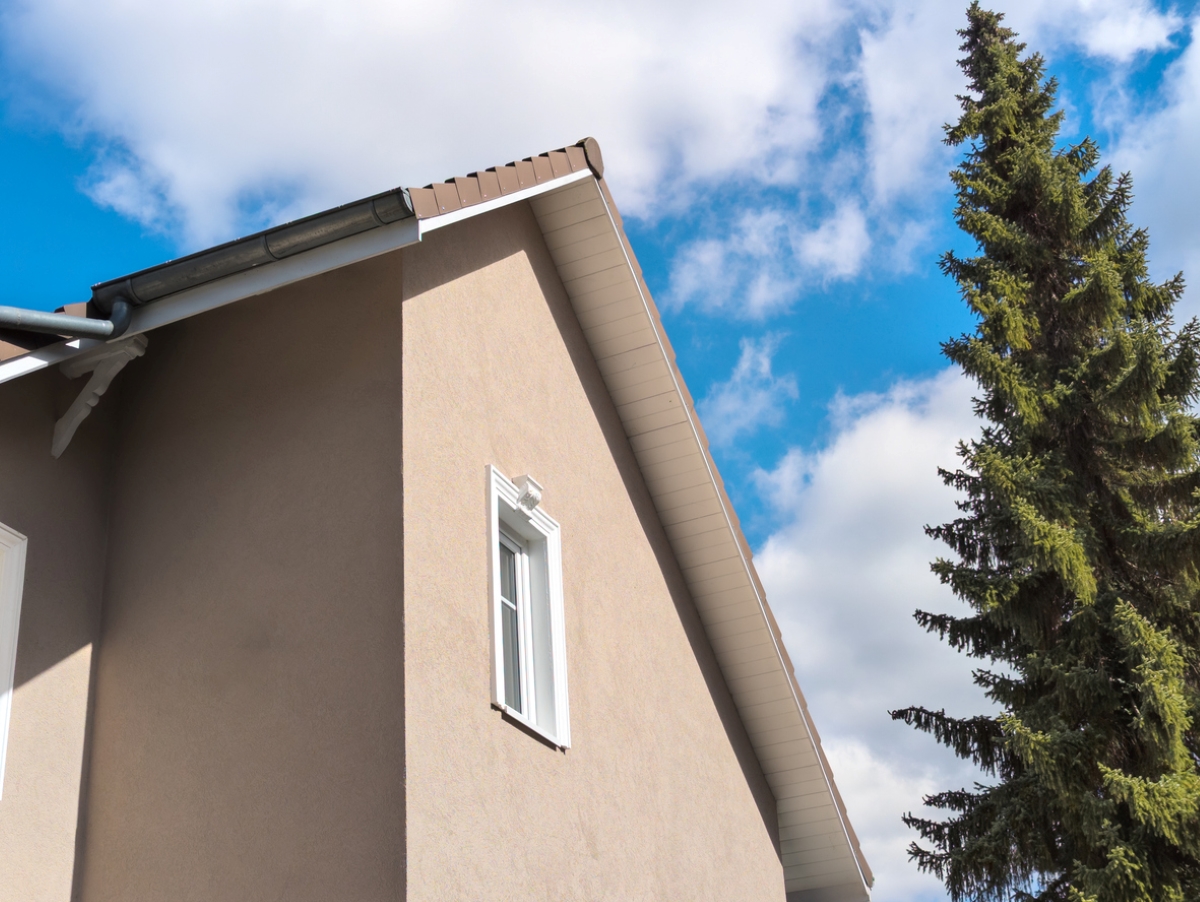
pixel 636 377
pixel 809 829
pixel 754 682
pixel 679 437
pixel 701 540
pixel 676 456
pixel 564 239
pixel 676 498
pixel 674 467
pixel 589 248
pixel 677 531
pixel 619 327
pixel 650 426
pixel 608 302
pixel 737 669
pixel 621 343
pixel 800 852
pixel 706 549
pixel 796 769
pixel 713 567
pixel 716 602
pixel 832 870
pixel 600 261
pixel 811 842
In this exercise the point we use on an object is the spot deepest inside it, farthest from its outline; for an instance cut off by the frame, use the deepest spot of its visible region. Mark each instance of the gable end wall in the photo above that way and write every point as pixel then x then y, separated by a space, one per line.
pixel 660 796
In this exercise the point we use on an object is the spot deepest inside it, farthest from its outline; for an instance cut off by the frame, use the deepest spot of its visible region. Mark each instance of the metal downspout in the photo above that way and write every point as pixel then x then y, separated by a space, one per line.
pixel 20 320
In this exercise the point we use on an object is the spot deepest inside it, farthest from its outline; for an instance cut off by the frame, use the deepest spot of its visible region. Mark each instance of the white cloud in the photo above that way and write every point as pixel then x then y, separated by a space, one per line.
pixel 744 273
pixel 906 79
pixel 909 75
pixel 220 116
pixel 1158 149
pixel 751 398
pixel 836 248
pixel 761 266
pixel 1115 29
pixel 209 107
pixel 882 789
pixel 844 575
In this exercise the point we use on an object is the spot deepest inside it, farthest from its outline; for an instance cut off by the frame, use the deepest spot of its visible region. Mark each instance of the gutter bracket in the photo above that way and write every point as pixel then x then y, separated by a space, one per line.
pixel 104 363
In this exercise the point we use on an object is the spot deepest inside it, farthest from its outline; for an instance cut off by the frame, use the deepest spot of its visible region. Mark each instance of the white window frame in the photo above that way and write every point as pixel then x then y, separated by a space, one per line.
pixel 12 584
pixel 515 518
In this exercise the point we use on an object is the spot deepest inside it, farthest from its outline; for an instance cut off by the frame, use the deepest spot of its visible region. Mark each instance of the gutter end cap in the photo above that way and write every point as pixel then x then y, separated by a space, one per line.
pixel 591 149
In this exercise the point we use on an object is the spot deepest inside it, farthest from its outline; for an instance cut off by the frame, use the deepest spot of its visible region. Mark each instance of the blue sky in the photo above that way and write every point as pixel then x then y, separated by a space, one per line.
pixel 780 170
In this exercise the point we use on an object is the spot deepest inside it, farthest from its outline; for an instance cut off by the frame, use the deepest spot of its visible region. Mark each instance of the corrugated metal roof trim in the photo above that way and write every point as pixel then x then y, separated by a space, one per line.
pixel 465 191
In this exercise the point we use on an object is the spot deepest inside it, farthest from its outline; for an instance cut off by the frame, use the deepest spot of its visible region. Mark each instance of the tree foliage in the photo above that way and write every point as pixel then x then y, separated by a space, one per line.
pixel 1078 543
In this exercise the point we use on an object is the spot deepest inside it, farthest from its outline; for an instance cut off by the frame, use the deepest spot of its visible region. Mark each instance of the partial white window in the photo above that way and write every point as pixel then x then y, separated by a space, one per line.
pixel 529 658
pixel 12 581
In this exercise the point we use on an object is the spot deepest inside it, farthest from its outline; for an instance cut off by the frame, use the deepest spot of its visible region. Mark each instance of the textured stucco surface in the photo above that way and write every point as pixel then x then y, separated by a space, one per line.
pixel 247 739
pixel 660 796
pixel 61 507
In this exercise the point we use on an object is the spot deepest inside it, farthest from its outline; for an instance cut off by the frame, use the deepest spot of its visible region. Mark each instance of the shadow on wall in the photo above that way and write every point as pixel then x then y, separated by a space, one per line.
pixel 61 506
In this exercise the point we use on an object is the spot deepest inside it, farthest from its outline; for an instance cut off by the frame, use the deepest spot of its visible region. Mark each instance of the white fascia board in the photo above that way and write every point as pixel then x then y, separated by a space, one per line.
pixel 229 289
pixel 262 279
pixel 445 219
pixel 44 357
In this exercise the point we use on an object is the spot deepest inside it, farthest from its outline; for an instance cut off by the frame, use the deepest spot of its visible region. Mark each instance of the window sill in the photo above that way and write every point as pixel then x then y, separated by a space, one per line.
pixel 518 720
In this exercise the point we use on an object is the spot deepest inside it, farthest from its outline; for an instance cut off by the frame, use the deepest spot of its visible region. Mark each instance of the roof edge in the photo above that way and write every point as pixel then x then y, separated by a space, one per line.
pixel 736 529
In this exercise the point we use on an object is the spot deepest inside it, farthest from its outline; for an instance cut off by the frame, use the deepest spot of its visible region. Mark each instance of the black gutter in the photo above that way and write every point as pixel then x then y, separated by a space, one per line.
pixel 113 302
pixel 264 247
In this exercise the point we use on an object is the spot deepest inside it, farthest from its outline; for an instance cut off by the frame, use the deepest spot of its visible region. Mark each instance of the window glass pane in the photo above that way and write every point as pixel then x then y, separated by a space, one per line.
pixel 512 661
pixel 508 575
pixel 510 651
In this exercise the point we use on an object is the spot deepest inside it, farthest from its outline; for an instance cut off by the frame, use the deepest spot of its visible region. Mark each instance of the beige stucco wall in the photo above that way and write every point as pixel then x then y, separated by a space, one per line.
pixel 660 796
pixel 61 507
pixel 249 687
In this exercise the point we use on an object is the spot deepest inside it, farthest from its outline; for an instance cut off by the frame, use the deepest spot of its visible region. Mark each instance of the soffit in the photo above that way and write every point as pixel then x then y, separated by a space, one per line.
pixel 584 234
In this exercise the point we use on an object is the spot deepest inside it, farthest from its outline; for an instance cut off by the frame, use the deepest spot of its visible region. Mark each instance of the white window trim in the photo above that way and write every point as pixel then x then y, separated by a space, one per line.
pixel 516 507
pixel 12 584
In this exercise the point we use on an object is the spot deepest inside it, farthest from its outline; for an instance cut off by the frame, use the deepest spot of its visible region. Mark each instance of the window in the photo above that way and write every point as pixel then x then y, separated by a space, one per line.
pixel 12 581
pixel 529 665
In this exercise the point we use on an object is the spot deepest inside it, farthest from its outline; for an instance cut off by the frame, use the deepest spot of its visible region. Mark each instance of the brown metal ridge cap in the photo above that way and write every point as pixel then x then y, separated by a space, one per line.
pixel 478 187
pixel 738 534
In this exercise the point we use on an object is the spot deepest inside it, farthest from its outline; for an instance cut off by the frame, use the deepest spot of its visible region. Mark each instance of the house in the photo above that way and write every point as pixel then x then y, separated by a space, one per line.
pixel 381 556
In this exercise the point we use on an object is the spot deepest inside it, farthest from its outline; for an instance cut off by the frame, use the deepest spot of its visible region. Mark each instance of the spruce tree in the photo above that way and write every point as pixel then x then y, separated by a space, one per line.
pixel 1077 548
